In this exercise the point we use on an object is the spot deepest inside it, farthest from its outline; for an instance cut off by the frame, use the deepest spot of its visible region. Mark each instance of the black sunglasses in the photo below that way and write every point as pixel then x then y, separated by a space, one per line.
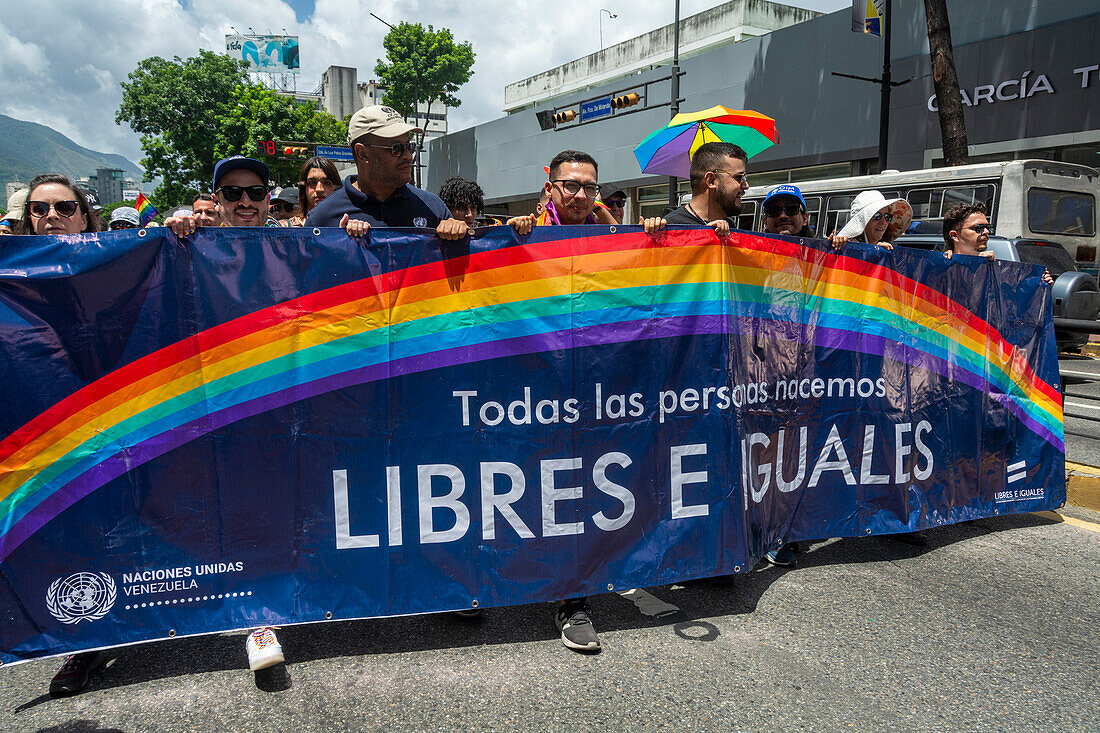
pixel 234 193
pixel 280 207
pixel 980 228
pixel 64 209
pixel 616 203
pixel 398 149
pixel 121 225
pixel 774 210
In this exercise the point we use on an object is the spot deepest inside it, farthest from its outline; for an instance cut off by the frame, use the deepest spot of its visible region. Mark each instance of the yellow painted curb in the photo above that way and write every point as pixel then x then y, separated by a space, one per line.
pixel 1083 485
pixel 1073 521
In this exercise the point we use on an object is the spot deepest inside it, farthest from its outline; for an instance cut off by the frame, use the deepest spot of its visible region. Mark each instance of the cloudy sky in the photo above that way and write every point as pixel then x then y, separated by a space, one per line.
pixel 62 60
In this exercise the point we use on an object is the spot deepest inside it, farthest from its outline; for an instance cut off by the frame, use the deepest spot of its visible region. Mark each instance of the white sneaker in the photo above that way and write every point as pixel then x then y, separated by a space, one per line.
pixel 264 650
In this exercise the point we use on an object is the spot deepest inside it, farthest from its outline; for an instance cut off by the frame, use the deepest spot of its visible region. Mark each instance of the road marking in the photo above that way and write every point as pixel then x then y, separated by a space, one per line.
pixel 649 604
pixel 1081 404
pixel 1090 526
pixel 1087 375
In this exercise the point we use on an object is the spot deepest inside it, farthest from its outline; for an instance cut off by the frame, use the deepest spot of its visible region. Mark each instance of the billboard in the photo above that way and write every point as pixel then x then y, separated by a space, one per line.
pixel 269 54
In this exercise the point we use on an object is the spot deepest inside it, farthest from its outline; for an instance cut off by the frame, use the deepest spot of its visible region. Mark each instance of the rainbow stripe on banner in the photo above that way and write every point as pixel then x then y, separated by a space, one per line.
pixel 145 209
pixel 524 299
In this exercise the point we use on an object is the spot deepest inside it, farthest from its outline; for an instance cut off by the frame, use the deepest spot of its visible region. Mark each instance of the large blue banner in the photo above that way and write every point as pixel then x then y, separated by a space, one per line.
pixel 267 426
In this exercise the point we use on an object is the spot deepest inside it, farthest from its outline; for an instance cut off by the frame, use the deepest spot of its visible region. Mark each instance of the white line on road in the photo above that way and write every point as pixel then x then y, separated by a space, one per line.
pixel 1081 404
pixel 1086 375
pixel 649 604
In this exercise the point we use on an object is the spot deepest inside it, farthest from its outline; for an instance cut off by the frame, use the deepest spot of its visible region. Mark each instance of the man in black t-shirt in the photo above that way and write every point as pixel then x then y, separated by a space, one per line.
pixel 718 181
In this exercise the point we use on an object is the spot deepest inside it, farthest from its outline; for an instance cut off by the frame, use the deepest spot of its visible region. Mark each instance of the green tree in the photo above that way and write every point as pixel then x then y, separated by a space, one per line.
pixel 423 64
pixel 257 113
pixel 192 112
pixel 175 106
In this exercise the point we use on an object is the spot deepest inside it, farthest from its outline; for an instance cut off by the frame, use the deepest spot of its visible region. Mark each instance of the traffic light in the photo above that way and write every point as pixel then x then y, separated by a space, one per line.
pixel 626 100
pixel 295 151
pixel 567 115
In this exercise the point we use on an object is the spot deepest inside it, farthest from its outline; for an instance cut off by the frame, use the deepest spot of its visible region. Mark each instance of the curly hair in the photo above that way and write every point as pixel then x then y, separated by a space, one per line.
pixel 458 191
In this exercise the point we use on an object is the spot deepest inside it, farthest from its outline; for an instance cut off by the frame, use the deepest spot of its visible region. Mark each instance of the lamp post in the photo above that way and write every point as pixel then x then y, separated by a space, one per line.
pixel 610 16
pixel 674 83
pixel 416 99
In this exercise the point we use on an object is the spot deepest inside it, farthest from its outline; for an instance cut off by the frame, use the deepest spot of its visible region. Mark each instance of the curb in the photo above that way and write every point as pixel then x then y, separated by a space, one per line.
pixel 1092 348
pixel 1083 485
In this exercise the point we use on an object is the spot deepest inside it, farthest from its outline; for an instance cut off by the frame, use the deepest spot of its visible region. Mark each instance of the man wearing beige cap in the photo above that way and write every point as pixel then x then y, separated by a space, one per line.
pixel 380 194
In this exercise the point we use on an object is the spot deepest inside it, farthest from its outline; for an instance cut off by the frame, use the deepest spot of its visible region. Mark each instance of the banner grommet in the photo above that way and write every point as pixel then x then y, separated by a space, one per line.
pixel 328 615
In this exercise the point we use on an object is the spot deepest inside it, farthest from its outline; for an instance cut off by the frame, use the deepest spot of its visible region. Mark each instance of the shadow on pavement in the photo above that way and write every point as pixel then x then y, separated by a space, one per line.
pixel 506 625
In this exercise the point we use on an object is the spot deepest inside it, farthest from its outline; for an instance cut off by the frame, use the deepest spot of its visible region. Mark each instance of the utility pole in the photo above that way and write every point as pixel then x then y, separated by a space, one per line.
pixel 674 82
pixel 887 84
pixel 946 82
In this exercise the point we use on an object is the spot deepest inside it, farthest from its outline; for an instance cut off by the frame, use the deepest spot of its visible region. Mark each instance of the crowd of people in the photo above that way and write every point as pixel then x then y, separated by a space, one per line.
pixel 379 194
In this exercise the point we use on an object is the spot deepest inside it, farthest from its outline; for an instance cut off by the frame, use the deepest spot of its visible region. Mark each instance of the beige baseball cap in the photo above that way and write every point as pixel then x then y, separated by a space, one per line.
pixel 380 121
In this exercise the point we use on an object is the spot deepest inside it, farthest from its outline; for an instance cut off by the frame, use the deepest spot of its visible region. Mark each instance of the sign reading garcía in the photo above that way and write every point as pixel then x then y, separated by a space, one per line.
pixel 261 426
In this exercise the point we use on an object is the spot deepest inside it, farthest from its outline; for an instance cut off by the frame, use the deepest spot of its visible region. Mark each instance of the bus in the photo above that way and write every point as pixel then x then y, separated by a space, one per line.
pixel 1027 199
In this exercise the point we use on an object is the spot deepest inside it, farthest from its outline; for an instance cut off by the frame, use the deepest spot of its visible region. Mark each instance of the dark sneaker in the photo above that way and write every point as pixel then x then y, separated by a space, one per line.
pixel 575 626
pixel 783 557
pixel 75 673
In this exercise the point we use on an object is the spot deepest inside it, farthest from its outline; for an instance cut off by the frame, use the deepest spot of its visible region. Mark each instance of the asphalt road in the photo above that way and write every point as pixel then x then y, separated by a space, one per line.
pixel 993 626
pixel 1081 379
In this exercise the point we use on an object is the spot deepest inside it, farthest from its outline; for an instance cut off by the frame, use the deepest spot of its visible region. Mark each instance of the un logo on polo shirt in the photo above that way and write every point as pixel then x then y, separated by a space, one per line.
pixel 420 222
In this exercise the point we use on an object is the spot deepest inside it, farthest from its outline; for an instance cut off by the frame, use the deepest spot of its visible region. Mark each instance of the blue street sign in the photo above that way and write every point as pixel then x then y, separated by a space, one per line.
pixel 596 108
pixel 335 152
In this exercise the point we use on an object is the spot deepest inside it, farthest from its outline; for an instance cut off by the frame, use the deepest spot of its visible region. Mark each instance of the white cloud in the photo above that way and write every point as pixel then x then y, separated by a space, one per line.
pixel 64 59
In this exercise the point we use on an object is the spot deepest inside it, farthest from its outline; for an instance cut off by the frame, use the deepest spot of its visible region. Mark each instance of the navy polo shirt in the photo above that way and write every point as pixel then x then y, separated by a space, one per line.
pixel 408 206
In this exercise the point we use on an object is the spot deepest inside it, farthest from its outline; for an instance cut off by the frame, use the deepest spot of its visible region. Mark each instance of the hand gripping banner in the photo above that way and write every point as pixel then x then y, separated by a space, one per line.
pixel 269 426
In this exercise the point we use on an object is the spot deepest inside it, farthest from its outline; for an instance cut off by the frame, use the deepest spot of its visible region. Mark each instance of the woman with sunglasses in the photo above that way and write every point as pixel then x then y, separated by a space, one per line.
pixel 875 220
pixel 55 206
pixel 318 179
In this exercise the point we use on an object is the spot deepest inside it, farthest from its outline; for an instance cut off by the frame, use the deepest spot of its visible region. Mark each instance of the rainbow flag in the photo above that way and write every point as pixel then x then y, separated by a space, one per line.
pixel 145 208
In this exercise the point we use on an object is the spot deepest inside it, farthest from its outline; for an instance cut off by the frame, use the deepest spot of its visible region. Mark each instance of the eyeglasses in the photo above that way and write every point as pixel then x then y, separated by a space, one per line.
pixel 616 203
pixel 234 193
pixel 64 209
pixel 741 178
pixel 315 182
pixel 121 225
pixel 773 210
pixel 572 187
pixel 281 207
pixel 398 149
pixel 981 228
pixel 879 216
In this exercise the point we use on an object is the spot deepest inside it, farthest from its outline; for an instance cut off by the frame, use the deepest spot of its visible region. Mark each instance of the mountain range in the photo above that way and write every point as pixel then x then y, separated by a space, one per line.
pixel 28 149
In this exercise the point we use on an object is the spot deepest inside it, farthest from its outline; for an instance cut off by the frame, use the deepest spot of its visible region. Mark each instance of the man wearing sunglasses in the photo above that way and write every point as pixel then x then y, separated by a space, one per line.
pixel 718 181
pixel 785 212
pixel 240 193
pixel 380 194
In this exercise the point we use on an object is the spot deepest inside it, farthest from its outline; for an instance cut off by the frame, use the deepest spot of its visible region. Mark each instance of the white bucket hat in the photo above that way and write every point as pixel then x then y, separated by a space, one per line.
pixel 869 203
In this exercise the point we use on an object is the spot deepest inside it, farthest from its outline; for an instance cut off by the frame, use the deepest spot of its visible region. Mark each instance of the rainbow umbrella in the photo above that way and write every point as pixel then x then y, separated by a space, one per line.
pixel 668 151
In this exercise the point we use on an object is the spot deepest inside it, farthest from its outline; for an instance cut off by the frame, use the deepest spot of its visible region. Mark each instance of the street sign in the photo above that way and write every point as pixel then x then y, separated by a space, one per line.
pixel 596 108
pixel 335 152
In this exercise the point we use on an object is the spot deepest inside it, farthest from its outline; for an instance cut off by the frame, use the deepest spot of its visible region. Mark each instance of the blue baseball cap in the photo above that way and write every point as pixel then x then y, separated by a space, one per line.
pixel 239 162
pixel 785 189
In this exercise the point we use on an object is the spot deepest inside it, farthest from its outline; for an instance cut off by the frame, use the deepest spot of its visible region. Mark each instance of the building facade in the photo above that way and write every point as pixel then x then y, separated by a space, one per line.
pixel 1030 70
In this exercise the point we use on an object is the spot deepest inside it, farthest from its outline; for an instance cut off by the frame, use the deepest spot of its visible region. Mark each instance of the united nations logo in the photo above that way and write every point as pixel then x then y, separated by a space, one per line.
pixel 81 597
pixel 420 222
